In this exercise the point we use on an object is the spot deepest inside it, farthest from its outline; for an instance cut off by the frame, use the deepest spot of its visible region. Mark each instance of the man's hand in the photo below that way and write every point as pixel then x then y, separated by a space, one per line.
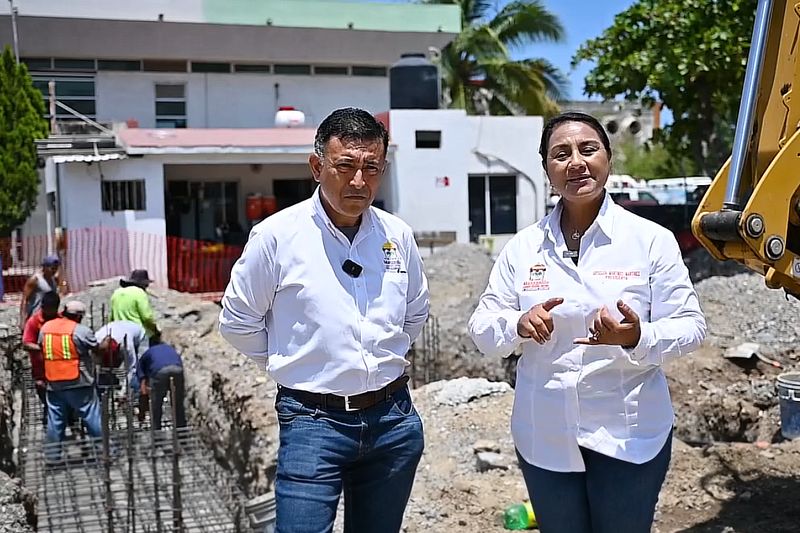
pixel 537 324
pixel 606 329
pixel 144 388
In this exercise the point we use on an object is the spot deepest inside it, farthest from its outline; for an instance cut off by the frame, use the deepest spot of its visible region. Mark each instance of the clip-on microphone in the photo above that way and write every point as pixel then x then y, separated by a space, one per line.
pixel 351 268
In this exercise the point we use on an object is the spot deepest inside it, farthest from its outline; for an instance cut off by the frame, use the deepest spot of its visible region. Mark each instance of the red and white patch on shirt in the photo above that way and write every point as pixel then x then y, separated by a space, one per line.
pixel 537 279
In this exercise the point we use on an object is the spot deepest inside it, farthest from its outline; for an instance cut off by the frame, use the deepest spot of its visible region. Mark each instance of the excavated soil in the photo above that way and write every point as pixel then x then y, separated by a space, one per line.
pixel 731 470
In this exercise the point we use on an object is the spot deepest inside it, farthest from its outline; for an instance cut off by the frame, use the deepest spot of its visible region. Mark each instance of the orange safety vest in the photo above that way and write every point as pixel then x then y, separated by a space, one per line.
pixel 61 357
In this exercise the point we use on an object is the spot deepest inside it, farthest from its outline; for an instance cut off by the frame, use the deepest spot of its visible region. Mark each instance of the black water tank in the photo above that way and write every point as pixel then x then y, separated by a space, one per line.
pixel 414 83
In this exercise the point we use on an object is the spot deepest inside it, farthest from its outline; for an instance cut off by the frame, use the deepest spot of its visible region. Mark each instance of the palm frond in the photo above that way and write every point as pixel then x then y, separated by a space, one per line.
pixel 522 22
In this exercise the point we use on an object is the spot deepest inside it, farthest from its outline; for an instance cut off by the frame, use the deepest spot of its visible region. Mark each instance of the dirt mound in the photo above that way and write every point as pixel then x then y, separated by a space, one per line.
pixel 457 275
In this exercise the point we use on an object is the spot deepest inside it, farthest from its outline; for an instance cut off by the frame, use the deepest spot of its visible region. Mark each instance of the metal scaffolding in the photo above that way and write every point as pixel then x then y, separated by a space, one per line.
pixel 134 479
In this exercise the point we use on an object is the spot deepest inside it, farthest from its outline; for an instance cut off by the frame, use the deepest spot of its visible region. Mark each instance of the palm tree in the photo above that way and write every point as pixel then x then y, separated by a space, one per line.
pixel 478 73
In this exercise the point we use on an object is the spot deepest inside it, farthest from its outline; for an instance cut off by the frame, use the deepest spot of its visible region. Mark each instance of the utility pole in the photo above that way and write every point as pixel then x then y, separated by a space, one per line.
pixel 14 29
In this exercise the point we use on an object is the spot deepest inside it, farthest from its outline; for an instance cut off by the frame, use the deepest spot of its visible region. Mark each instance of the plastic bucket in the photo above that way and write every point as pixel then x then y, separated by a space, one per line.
pixel 789 397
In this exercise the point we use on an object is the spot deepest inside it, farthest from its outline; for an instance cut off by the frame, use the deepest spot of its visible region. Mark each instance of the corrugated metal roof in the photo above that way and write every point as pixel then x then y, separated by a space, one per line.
pixel 197 140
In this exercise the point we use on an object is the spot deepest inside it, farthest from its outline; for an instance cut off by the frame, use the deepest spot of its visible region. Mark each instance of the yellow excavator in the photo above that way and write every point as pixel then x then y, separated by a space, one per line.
pixel 751 211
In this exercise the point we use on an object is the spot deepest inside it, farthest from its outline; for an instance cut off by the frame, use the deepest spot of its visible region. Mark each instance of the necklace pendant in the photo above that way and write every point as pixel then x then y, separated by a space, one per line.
pixel 576 235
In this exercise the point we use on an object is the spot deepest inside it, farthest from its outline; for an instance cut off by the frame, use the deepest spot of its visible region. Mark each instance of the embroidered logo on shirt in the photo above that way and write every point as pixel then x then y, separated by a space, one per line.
pixel 618 274
pixel 391 261
pixel 537 280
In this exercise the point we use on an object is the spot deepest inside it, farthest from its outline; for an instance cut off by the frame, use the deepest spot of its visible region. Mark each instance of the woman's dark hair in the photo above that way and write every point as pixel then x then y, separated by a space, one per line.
pixel 571 116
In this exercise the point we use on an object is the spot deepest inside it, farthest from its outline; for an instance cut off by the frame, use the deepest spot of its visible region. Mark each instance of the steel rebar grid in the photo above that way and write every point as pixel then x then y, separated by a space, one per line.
pixel 86 494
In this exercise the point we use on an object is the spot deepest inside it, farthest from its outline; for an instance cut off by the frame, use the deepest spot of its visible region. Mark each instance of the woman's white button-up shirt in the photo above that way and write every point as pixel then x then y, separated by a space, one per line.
pixel 605 398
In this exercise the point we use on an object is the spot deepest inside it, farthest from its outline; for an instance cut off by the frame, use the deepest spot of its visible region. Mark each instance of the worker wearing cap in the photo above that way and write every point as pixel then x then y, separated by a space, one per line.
pixel 131 302
pixel 67 349
pixel 328 295
pixel 30 343
pixel 46 280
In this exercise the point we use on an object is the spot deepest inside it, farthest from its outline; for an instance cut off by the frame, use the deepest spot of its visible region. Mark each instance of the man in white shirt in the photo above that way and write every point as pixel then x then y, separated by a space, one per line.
pixel 329 295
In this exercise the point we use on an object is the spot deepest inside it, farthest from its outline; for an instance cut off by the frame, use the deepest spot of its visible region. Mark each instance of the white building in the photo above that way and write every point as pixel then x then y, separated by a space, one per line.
pixel 200 147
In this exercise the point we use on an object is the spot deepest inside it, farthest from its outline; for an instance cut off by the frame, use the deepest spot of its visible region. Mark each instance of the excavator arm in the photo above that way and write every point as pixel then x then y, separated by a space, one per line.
pixel 751 211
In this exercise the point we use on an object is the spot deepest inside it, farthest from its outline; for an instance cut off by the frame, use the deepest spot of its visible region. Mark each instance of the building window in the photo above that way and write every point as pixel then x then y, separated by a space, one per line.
pixel 118 64
pixel 293 69
pixel 325 70
pixel 164 65
pixel 171 105
pixel 74 91
pixel 369 71
pixel 499 193
pixel 74 64
pixel 428 138
pixel 38 63
pixel 123 195
pixel 198 66
pixel 262 69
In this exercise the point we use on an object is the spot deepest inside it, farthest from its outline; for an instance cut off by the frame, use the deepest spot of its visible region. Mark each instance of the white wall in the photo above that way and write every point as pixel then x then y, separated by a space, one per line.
pixel 469 145
pixel 209 104
pixel 509 145
pixel 80 205
pixel 416 197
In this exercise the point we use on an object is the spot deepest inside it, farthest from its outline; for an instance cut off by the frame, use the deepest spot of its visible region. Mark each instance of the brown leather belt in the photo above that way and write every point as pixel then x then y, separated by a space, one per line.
pixel 356 402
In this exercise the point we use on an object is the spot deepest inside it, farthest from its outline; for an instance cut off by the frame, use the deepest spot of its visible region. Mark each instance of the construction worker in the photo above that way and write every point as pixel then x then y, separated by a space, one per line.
pixel 44 281
pixel 156 367
pixel 68 347
pixel 30 343
pixel 132 340
pixel 130 302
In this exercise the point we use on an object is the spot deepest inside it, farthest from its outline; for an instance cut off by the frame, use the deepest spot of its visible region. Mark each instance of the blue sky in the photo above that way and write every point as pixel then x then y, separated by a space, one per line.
pixel 582 20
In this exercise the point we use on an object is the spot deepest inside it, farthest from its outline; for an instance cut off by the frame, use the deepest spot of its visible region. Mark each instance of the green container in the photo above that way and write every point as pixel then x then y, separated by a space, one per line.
pixel 519 517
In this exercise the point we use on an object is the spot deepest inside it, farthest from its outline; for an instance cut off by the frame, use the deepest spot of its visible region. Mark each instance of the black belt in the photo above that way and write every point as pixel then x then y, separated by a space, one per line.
pixel 356 402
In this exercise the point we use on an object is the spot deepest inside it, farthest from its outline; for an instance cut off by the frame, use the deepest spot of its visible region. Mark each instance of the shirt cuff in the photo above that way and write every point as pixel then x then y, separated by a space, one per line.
pixel 639 352
pixel 511 326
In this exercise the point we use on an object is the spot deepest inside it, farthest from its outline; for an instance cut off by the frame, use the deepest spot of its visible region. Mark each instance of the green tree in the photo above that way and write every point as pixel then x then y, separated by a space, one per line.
pixel 478 72
pixel 649 160
pixel 21 121
pixel 690 55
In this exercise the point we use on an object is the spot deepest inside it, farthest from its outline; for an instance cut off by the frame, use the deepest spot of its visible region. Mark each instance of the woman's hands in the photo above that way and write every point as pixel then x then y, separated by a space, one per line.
pixel 537 324
pixel 607 330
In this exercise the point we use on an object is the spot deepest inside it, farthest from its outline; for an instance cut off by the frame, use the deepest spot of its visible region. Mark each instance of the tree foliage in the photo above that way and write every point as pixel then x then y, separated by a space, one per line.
pixel 478 72
pixel 649 160
pixel 21 121
pixel 690 55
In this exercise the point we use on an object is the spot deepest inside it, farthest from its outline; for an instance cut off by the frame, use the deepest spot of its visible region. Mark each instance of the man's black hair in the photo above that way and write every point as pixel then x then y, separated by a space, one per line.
pixel 51 300
pixel 572 116
pixel 350 124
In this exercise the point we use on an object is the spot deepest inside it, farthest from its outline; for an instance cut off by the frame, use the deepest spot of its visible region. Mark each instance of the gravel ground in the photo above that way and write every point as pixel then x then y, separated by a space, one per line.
pixel 733 473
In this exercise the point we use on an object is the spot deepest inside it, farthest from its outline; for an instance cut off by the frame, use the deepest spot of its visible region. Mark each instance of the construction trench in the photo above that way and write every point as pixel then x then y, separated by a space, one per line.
pixel 134 479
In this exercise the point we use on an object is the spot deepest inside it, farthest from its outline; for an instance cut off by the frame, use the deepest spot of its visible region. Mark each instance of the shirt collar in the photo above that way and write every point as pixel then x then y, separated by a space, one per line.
pixel 605 218
pixel 318 211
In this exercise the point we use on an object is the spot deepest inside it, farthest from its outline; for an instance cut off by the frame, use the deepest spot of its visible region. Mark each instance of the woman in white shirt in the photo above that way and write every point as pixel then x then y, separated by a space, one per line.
pixel 599 299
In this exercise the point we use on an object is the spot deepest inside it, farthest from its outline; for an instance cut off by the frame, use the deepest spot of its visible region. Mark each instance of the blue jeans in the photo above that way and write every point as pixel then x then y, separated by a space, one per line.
pixel 82 400
pixel 611 496
pixel 370 455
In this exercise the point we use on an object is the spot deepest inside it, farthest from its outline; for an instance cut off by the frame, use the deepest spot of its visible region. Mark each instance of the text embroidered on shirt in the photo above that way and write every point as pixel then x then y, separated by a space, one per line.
pixel 391 261
pixel 536 279
pixel 618 274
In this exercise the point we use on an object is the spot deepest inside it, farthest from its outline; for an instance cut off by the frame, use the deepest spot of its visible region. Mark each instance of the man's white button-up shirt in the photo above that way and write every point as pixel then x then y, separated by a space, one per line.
pixel 604 398
pixel 290 305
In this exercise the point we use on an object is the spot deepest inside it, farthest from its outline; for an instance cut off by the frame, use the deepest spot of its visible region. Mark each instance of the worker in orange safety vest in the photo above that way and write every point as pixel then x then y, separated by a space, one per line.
pixel 67 350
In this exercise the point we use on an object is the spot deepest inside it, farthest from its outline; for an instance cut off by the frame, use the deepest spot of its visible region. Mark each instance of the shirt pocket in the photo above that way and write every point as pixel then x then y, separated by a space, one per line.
pixel 393 296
